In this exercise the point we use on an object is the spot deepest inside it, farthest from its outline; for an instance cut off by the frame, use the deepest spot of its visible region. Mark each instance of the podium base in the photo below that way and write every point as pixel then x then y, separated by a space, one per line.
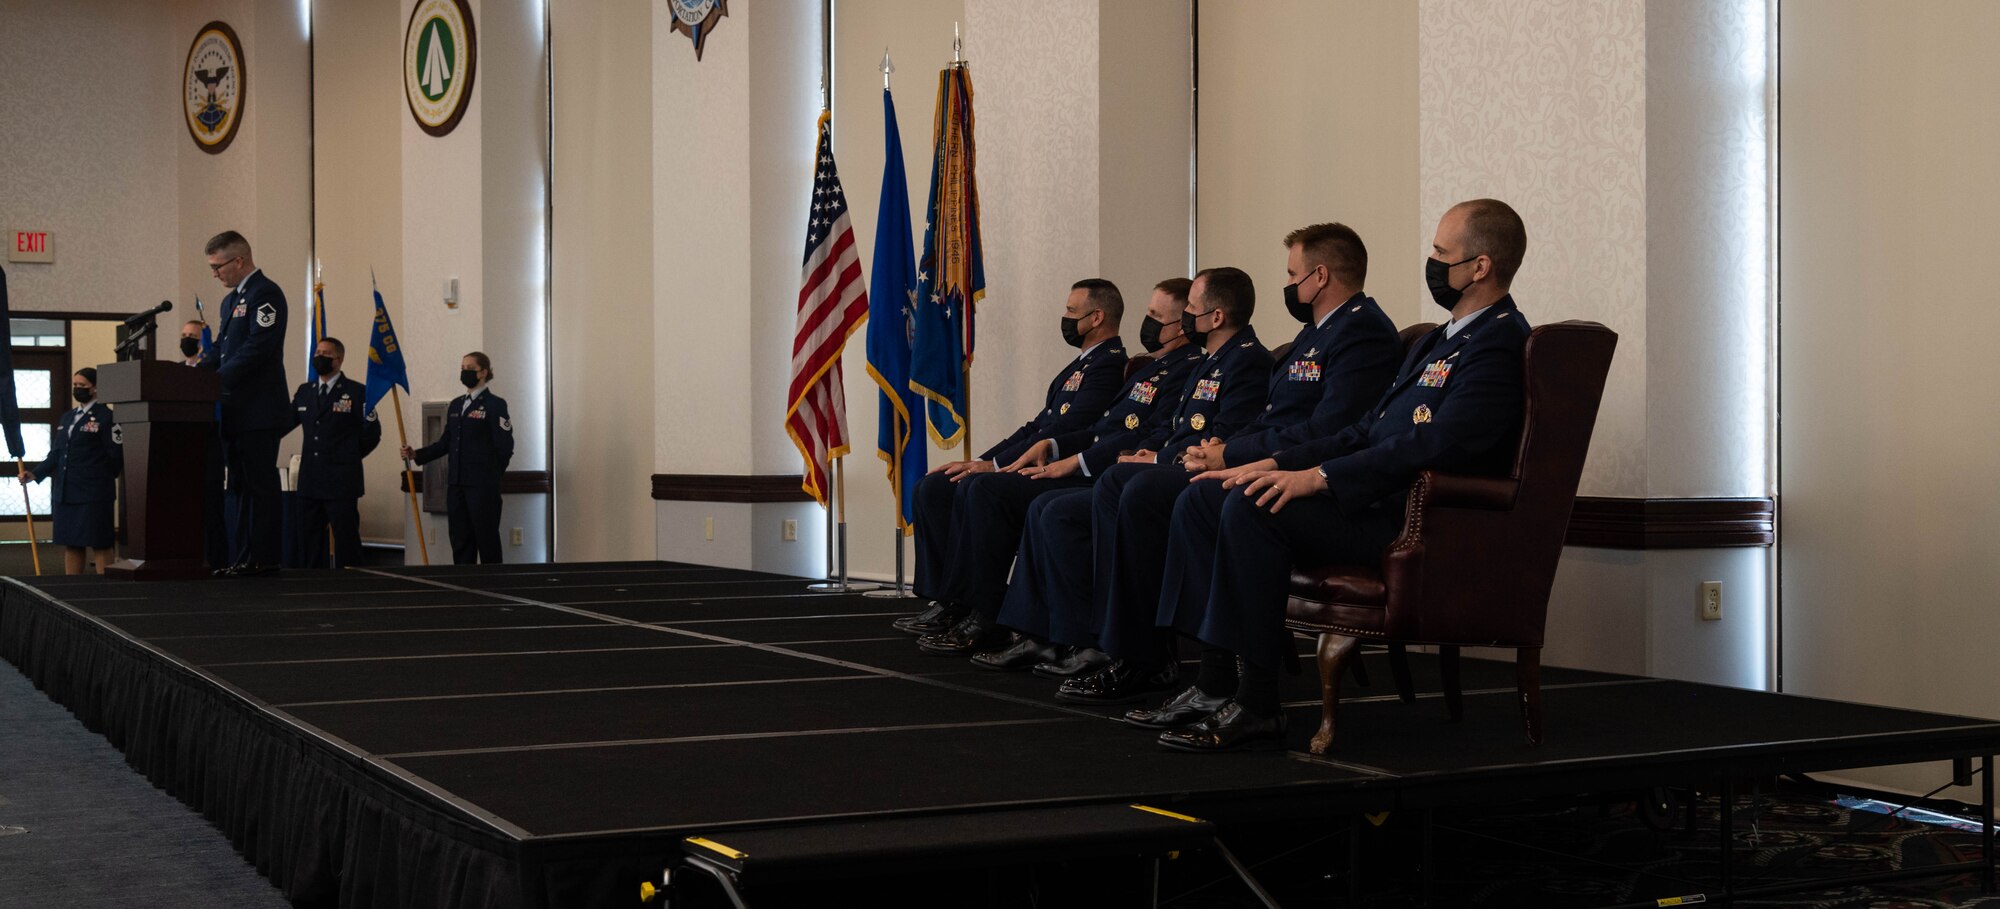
pixel 157 570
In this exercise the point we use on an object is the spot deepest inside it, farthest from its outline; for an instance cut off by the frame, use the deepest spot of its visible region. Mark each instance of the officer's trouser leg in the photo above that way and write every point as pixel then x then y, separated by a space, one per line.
pixel 1133 559
pixel 344 517
pixel 1054 572
pixel 311 532
pixel 935 493
pixel 987 519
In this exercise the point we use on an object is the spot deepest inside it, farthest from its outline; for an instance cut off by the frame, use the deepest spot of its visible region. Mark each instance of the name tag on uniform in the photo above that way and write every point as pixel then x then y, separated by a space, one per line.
pixel 1303 371
pixel 1206 390
pixel 1435 374
pixel 476 415
pixel 1143 392
pixel 1075 381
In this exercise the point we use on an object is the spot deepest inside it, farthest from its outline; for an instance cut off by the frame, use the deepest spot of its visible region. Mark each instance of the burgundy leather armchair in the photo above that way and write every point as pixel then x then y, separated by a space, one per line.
pixel 1477 555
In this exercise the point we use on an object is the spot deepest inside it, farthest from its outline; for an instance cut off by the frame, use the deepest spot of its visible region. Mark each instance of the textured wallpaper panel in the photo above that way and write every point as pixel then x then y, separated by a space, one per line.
pixel 1034 79
pixel 88 93
pixel 1708 315
pixel 1541 103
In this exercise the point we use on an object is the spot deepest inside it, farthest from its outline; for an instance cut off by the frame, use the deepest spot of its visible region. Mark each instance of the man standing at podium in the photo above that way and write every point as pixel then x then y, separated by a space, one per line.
pixel 249 356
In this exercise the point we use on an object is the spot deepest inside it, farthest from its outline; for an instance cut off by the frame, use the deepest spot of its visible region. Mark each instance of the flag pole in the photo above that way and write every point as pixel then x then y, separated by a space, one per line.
pixel 409 475
pixel 838 507
pixel 28 511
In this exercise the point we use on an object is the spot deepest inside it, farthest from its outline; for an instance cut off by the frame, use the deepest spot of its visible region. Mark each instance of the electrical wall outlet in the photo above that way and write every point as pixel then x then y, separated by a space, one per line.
pixel 1710 601
pixel 708 528
pixel 517 536
pixel 791 534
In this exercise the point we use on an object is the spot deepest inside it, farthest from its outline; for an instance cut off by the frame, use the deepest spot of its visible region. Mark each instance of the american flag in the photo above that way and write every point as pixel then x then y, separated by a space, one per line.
pixel 833 301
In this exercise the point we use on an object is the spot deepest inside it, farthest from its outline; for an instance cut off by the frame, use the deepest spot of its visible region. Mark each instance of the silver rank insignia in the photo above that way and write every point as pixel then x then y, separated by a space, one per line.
pixel 509 427
pixel 267 316
pixel 117 435
pixel 1314 352
pixel 1421 415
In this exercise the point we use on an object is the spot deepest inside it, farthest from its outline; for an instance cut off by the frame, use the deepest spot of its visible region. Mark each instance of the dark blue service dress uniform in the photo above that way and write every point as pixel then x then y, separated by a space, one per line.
pixel 86 454
pixel 255 413
pixel 1334 370
pixel 1456 406
pixel 1223 393
pixel 479 438
pixel 992 507
pixel 1078 394
pixel 337 435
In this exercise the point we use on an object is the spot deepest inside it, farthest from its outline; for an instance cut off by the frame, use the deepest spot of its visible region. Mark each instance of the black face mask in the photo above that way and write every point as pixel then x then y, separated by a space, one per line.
pixel 1301 310
pixel 190 347
pixel 82 395
pixel 1194 336
pixel 468 377
pixel 1437 273
pixel 322 366
pixel 1149 334
pixel 1071 332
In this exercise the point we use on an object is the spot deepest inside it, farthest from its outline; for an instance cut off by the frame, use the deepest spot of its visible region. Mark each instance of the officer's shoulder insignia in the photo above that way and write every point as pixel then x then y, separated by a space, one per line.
pixel 509 427
pixel 1246 344
pixel 1502 316
pixel 267 316
pixel 1117 350
pixel 1131 421
pixel 117 435
pixel 1357 308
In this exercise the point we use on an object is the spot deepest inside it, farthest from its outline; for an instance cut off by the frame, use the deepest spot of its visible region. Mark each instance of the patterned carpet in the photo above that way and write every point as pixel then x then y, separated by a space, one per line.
pixel 1591 855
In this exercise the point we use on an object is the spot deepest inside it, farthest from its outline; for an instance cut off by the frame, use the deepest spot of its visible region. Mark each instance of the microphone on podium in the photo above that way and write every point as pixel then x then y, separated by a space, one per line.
pixel 137 318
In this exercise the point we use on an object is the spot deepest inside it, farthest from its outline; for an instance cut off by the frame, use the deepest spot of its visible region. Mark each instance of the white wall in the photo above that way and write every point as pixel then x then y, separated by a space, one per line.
pixel 603 278
pixel 90 102
pixel 1889 511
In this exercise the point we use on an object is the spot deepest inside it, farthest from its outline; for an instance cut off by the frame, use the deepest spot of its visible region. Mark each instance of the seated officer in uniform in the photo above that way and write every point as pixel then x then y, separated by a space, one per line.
pixel 1225 393
pixel 1345 354
pixel 337 436
pixel 1078 394
pixel 191 342
pixel 1455 405
pixel 480 441
pixel 993 505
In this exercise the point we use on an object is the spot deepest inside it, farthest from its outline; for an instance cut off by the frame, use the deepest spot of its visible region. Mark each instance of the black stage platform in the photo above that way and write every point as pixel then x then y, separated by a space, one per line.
pixel 547 735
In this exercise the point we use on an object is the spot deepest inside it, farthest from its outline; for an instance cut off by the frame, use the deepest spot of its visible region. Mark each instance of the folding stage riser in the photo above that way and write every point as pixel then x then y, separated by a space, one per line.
pixel 550 735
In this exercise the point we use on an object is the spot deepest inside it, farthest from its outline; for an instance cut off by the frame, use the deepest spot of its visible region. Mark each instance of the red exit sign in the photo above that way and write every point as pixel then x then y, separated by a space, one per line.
pixel 30 246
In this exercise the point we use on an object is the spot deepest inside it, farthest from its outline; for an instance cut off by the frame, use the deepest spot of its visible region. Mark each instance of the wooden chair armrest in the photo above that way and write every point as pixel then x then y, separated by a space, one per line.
pixel 1450 490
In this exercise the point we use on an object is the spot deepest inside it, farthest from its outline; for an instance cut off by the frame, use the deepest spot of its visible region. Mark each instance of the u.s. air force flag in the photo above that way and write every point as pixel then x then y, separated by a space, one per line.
pixel 892 303
pixel 951 277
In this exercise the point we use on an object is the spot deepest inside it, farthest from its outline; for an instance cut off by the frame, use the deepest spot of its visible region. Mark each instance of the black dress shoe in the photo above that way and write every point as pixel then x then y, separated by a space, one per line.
pixel 1119 683
pixel 1184 709
pixel 973 634
pixel 1079 661
pixel 250 570
pixel 1230 728
pixel 1025 652
pixel 935 620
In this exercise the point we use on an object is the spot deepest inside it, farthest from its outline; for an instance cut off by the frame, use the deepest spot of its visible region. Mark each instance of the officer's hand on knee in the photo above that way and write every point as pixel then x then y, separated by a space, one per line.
pixel 1142 456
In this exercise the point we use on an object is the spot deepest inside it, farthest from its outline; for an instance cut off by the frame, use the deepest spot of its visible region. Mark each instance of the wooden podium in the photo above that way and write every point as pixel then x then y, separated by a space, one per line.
pixel 166 413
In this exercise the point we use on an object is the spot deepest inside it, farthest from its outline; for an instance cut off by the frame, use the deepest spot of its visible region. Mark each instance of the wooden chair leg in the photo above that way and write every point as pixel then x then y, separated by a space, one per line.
pixel 1454 695
pixel 1528 682
pixel 1399 666
pixel 1335 650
